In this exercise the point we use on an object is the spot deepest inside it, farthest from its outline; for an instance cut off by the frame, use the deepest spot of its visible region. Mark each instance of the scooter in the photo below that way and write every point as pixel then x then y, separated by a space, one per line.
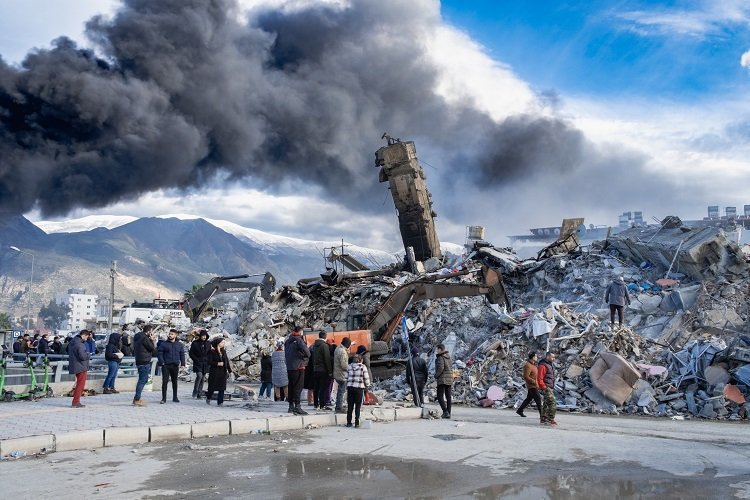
pixel 9 396
pixel 3 367
pixel 43 391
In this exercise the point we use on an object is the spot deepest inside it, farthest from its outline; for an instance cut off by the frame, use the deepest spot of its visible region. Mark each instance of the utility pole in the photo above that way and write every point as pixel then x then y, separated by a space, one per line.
pixel 112 274
pixel 31 283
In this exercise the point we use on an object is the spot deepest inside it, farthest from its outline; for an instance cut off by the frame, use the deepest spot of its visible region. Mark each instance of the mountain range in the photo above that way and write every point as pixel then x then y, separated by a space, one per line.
pixel 156 257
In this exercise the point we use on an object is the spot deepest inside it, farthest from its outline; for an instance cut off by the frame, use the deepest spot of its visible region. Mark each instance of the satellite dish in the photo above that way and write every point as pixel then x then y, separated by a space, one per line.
pixel 581 230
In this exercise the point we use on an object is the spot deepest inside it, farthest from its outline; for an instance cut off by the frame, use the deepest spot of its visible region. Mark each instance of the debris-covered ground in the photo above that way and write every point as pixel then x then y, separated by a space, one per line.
pixel 683 352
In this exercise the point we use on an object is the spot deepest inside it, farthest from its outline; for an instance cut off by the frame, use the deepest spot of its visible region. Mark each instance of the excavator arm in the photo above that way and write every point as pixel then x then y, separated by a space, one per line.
pixel 226 284
pixel 427 288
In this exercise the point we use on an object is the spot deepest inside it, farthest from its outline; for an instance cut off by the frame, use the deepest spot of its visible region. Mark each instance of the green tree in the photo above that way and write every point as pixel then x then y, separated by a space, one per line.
pixel 189 294
pixel 54 314
pixel 5 323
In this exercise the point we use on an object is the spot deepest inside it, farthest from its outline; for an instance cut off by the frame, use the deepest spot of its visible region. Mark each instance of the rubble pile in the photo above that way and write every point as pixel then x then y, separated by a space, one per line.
pixel 682 352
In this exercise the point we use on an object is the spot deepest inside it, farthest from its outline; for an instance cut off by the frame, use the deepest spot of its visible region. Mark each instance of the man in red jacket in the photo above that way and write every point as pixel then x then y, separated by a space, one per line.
pixel 546 382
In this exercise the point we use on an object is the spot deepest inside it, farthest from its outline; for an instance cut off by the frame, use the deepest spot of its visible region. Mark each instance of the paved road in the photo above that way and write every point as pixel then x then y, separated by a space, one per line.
pixel 479 454
pixel 54 415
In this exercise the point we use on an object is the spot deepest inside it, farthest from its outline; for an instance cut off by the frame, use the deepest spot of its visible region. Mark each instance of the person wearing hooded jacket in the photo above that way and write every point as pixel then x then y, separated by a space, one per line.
pixel 617 297
pixel 218 372
pixel 444 379
pixel 113 356
pixel 199 350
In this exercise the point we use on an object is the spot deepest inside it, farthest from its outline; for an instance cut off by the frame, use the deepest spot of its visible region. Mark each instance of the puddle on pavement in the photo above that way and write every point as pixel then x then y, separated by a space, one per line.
pixel 264 471
pixel 568 486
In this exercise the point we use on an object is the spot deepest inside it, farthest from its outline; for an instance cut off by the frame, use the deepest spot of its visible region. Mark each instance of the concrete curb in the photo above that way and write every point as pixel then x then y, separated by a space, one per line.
pixel 120 436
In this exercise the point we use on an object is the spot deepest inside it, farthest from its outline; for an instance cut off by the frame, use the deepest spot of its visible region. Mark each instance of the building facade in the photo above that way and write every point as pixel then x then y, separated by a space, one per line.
pixel 83 309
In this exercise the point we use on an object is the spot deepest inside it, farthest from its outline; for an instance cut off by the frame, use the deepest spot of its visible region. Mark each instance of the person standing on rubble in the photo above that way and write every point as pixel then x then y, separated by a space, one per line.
pixel 296 356
pixel 322 372
pixel 279 376
pixel 340 367
pixel 218 372
pixel 444 379
pixel 171 355
pixel 419 379
pixel 199 350
pixel 530 374
pixel 545 380
pixel 617 297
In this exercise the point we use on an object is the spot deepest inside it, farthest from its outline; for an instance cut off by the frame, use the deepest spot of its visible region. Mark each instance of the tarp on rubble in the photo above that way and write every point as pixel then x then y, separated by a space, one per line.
pixel 614 377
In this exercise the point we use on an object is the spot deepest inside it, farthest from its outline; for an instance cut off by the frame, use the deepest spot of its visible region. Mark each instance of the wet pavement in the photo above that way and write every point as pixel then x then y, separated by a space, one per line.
pixel 412 459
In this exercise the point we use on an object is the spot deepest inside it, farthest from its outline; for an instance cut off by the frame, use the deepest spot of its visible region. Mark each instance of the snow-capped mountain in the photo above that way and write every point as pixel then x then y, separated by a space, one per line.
pixel 271 244
pixel 84 223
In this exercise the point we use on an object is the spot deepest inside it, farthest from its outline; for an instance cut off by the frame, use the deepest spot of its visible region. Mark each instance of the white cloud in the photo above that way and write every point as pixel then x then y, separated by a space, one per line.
pixel 745 59
pixel 706 18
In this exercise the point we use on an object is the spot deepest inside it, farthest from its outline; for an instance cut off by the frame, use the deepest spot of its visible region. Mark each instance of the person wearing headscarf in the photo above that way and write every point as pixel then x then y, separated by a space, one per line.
pixel 218 371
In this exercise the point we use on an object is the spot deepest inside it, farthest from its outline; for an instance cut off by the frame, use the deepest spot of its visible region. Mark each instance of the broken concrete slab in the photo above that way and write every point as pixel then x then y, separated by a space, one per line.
pixel 699 252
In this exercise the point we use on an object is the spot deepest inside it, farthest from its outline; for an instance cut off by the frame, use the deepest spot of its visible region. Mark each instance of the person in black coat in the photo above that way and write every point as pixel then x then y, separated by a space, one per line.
pixel 143 350
pixel 56 346
pixel 218 371
pixel 42 349
pixel 419 379
pixel 266 369
pixel 199 350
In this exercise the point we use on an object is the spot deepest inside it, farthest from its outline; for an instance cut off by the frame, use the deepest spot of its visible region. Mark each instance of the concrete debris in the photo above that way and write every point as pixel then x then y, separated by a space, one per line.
pixel 680 354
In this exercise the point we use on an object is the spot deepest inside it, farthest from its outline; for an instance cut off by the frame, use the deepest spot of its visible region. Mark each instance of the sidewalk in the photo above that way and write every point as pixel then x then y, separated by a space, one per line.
pixel 111 420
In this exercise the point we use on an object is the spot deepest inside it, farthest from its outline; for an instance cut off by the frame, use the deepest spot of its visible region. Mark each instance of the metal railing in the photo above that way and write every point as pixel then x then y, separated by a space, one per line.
pixel 17 371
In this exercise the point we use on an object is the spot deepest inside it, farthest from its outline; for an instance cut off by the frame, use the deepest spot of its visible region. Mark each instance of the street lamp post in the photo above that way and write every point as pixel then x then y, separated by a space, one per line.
pixel 31 283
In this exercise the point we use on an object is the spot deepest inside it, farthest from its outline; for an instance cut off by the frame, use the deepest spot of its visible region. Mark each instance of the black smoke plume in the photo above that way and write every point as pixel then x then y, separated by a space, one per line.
pixel 179 91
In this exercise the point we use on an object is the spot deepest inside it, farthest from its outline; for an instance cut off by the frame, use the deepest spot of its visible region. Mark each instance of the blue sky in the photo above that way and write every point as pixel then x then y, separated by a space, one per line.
pixel 612 47
pixel 659 90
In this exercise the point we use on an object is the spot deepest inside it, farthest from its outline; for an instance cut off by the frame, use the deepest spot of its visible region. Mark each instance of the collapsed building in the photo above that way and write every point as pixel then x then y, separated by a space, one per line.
pixel 683 352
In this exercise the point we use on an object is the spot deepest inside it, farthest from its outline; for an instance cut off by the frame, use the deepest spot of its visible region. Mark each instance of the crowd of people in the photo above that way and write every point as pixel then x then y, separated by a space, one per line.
pixel 286 370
